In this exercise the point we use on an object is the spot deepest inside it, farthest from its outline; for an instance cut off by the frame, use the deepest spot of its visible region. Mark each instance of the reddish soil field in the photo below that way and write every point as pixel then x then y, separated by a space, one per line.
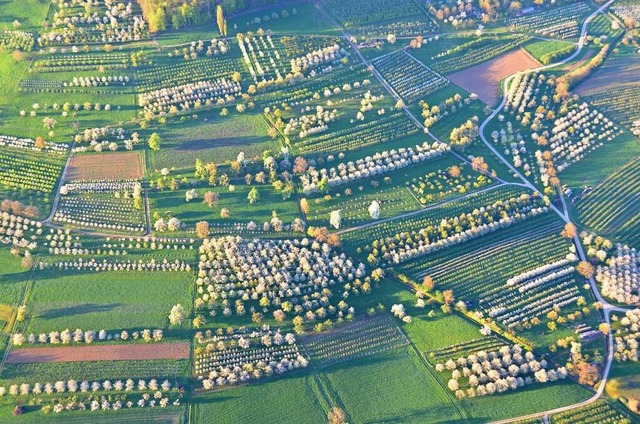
pixel 484 79
pixel 105 166
pixel 116 352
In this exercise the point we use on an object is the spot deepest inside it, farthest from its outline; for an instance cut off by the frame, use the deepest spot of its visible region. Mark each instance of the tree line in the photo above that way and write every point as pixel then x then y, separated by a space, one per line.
pixel 175 14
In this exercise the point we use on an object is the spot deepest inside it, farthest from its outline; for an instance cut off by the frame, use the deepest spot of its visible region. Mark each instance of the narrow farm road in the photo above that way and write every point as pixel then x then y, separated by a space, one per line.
pixel 388 87
pixel 607 308
pixel 63 174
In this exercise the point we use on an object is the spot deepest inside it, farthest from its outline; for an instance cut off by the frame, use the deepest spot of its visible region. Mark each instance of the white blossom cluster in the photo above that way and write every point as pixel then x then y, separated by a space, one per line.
pixel 96 81
pixel 115 23
pixel 129 265
pixel 147 400
pixel 316 58
pixel 300 273
pixel 485 373
pixel 312 123
pixel 93 135
pixel 18 231
pixel 215 47
pixel 65 244
pixel 528 275
pixel 98 186
pixel 195 94
pixel 29 144
pixel 627 337
pixel 627 11
pixel 537 292
pixel 239 365
pixel 73 386
pixel 83 336
pixel 253 49
pixel 561 21
pixel 242 337
pixel 578 131
pixel 377 164
pixel 515 146
pixel 620 279
pixel 70 211
pixel 454 230
pixel 523 90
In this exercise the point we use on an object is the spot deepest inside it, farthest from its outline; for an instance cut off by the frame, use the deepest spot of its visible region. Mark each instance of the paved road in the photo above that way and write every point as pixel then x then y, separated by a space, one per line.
pixel 607 308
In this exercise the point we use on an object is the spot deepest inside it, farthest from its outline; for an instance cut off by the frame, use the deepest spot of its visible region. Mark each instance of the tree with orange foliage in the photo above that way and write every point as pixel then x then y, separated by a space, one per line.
pixel 31 212
pixel 479 165
pixel 427 283
pixel 319 233
pixel 202 229
pixel 40 143
pixel 337 416
pixel 334 240
pixel 454 171
pixel 447 297
pixel 588 374
pixel 585 269
pixel 569 230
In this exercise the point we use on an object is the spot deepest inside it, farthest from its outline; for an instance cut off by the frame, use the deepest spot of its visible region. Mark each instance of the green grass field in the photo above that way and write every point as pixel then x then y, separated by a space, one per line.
pixel 524 401
pixel 218 140
pixel 548 51
pixel 292 399
pixel 29 13
pixel 107 300
pixel 240 210
pixel 404 390
pixel 13 278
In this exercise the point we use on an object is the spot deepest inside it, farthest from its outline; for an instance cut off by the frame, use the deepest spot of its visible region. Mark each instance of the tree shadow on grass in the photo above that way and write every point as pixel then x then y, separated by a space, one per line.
pixel 209 143
pixel 362 361
pixel 423 414
pixel 14 277
pixel 86 308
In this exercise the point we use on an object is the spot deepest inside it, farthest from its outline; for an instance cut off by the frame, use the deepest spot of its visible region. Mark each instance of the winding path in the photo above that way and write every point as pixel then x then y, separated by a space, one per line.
pixel 607 308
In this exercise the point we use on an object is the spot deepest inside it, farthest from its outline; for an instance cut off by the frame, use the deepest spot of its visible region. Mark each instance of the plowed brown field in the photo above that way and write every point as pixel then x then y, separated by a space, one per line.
pixel 115 352
pixel 484 79
pixel 105 166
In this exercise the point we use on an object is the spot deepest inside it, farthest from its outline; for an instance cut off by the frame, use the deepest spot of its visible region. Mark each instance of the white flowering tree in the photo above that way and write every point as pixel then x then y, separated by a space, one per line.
pixel 374 209
pixel 335 219
pixel 177 315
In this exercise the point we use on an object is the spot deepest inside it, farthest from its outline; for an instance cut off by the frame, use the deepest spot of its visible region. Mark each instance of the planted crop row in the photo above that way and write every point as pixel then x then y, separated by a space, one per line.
pixel 390 127
pixel 411 79
pixel 355 340
pixel 612 206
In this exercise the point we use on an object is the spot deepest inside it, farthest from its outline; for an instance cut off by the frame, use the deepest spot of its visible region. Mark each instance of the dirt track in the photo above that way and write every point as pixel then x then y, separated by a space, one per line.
pixel 484 79
pixel 97 352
